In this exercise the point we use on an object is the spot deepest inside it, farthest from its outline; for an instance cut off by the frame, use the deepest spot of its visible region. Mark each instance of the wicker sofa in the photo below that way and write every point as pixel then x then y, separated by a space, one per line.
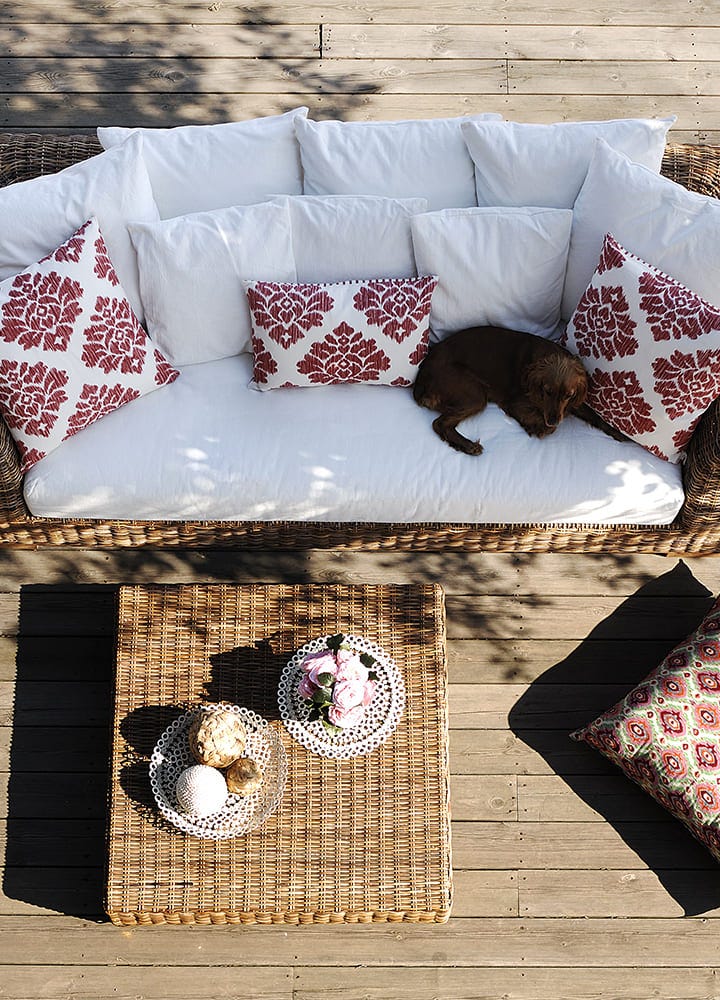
pixel 695 530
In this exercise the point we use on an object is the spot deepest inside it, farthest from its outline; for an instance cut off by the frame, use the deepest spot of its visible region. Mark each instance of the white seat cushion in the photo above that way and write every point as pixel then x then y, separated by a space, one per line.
pixel 212 448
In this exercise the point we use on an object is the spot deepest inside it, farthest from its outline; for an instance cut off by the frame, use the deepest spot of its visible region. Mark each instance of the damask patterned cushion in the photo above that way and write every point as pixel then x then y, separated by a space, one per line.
pixel 651 348
pixel 71 348
pixel 665 734
pixel 372 331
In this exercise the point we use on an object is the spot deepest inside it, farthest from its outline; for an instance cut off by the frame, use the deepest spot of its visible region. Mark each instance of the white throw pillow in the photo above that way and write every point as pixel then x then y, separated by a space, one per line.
pixel 518 164
pixel 338 238
pixel 660 221
pixel 195 168
pixel 39 214
pixel 191 273
pixel 496 266
pixel 402 159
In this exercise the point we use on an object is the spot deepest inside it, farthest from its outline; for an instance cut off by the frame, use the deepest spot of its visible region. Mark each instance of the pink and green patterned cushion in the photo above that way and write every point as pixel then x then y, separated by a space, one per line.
pixel 665 734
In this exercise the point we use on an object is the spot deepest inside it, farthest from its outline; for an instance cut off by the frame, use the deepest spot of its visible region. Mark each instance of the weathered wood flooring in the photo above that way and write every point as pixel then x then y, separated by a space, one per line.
pixel 570 882
pixel 70 65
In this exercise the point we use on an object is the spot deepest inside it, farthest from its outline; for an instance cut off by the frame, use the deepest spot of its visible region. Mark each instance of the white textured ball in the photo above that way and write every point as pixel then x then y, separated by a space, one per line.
pixel 201 790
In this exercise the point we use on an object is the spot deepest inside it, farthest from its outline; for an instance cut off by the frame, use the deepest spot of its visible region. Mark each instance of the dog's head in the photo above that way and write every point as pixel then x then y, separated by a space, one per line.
pixel 556 383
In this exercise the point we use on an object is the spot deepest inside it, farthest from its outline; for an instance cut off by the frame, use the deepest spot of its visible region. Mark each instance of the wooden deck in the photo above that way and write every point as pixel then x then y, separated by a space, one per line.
pixel 69 65
pixel 570 882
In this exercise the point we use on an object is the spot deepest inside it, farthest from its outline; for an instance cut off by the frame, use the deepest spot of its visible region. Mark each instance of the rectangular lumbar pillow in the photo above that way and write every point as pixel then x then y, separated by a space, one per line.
pixel 651 348
pixel 336 238
pixel 660 221
pixel 374 331
pixel 528 164
pixel 37 215
pixel 423 158
pixel 191 273
pixel 71 348
pixel 495 266
pixel 664 734
pixel 195 168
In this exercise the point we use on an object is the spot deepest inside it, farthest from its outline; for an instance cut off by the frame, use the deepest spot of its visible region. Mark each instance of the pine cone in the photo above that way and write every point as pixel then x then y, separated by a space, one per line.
pixel 217 737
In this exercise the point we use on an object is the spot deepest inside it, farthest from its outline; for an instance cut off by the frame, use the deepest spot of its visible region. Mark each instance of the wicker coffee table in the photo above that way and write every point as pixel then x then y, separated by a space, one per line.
pixel 355 841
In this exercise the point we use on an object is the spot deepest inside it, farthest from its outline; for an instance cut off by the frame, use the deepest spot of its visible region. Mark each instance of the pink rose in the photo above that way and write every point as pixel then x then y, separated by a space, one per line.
pixel 348 694
pixel 345 718
pixel 316 664
pixel 350 666
pixel 369 692
pixel 306 688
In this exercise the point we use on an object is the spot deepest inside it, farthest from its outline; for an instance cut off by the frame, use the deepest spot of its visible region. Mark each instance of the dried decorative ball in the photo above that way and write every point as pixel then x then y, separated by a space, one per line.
pixel 243 776
pixel 217 738
pixel 201 790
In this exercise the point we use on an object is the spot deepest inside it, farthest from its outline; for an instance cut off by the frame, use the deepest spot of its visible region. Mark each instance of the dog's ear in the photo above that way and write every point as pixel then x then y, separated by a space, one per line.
pixel 579 382
pixel 535 374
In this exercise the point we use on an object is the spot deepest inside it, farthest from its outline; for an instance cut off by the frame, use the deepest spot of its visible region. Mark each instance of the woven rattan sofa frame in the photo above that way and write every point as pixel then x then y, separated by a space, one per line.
pixel 696 529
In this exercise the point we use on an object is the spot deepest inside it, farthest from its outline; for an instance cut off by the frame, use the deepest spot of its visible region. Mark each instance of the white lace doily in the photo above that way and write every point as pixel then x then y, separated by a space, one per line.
pixel 239 814
pixel 381 716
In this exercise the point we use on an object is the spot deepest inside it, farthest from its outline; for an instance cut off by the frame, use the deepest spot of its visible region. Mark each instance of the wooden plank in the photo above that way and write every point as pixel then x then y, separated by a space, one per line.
pixel 249 76
pixel 562 707
pixel 27 843
pixel 510 984
pixel 584 846
pixel 196 41
pixel 488 798
pixel 498 751
pixel 543 661
pixel 525 41
pixel 44 981
pixel 637 617
pixel 526 12
pixel 56 703
pixel 44 889
pixel 490 942
pixel 71 748
pixel 53 658
pixel 578 798
pixel 616 893
pixel 485 894
pixel 56 794
pixel 53 111
pixel 533 574
pixel 544 76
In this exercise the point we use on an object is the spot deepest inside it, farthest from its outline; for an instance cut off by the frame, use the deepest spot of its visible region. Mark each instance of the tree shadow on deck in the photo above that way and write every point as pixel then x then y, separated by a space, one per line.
pixel 666 609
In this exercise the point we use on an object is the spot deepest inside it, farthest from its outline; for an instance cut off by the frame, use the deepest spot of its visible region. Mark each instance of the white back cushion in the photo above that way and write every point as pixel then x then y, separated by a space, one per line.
pixel 653 217
pixel 191 273
pixel 39 214
pixel 195 168
pixel 339 238
pixel 518 164
pixel 496 266
pixel 402 159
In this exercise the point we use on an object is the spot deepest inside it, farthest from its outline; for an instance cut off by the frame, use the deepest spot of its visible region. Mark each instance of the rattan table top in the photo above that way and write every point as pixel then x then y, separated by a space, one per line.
pixel 355 841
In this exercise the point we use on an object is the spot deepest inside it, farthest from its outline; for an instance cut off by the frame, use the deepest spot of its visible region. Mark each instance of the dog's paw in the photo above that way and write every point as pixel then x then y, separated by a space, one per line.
pixel 467 447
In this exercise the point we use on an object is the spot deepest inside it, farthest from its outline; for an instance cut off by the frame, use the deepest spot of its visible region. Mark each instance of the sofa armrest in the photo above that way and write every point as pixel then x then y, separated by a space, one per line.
pixel 12 502
pixel 701 474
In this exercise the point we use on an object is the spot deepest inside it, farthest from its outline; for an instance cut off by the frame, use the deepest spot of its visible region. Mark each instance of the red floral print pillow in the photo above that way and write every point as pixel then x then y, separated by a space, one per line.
pixel 71 348
pixel 665 734
pixel 651 348
pixel 373 331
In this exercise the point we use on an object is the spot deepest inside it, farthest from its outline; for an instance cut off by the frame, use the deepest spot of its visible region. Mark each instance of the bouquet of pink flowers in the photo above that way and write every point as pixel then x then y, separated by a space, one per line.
pixel 339 683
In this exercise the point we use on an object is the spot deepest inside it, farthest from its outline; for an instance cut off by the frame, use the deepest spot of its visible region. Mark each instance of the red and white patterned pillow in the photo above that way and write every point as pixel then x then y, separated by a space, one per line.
pixel 373 331
pixel 71 348
pixel 651 348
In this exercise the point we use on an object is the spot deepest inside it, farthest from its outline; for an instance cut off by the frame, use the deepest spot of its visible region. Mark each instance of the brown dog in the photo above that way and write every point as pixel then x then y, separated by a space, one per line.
pixel 534 380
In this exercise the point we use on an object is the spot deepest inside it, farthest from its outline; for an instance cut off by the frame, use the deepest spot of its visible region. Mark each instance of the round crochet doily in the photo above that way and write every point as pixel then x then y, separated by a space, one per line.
pixel 381 716
pixel 239 814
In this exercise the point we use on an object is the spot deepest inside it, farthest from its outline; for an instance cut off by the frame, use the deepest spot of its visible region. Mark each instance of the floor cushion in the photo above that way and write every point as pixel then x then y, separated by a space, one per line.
pixel 665 734
pixel 214 448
